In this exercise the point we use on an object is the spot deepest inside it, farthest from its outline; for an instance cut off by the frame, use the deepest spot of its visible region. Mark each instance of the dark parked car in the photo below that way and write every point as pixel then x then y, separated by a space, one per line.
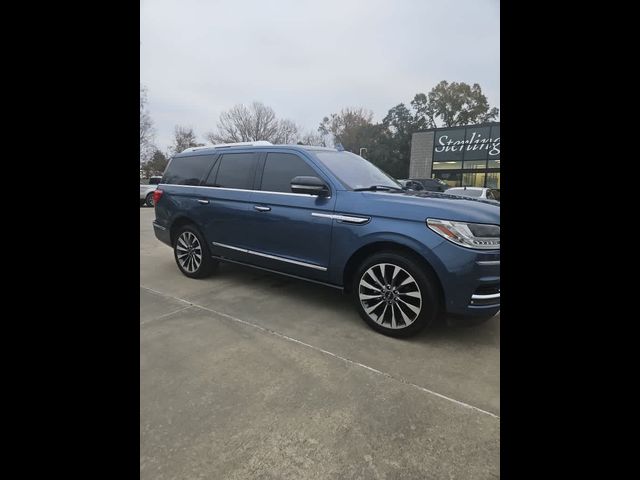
pixel 427 184
pixel 333 218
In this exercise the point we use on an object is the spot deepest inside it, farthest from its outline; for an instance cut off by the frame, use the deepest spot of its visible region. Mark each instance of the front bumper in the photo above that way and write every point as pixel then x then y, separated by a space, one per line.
pixel 470 279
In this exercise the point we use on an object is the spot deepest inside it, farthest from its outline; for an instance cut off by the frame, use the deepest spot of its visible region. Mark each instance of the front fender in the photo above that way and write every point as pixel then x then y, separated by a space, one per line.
pixel 348 239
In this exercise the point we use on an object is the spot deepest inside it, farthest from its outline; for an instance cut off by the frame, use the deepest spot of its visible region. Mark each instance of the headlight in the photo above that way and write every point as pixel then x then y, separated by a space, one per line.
pixel 470 235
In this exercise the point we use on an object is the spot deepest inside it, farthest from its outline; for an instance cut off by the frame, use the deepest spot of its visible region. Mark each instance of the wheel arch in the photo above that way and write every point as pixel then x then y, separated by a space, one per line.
pixel 177 223
pixel 369 249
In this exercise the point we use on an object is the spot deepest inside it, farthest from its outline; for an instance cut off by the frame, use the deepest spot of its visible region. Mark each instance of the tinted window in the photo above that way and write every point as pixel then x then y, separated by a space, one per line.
pixel 236 170
pixel 154 180
pixel 187 170
pixel 280 168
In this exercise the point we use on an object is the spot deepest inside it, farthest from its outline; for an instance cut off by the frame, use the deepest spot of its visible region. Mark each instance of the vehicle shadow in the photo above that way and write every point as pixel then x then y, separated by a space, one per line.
pixel 339 305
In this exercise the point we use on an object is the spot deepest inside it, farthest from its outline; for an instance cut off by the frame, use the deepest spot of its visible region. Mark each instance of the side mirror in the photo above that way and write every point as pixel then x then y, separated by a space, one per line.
pixel 309 185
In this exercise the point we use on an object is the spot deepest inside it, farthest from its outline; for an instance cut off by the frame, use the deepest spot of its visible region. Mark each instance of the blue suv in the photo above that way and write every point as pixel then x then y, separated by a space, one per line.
pixel 333 218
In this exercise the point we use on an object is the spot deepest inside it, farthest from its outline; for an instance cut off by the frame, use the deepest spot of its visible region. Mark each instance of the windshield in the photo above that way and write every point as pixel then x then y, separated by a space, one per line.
pixel 355 171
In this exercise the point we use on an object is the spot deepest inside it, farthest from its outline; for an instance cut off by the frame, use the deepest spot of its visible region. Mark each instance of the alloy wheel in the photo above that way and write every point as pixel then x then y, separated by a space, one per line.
pixel 390 296
pixel 189 252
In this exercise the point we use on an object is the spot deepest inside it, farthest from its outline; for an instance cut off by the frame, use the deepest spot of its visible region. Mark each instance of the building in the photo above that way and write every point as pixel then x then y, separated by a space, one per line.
pixel 466 156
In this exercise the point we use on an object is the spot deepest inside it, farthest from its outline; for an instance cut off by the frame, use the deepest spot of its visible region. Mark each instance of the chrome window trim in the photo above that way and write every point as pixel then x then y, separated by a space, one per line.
pixel 240 190
pixel 488 262
pixel 273 257
pixel 342 218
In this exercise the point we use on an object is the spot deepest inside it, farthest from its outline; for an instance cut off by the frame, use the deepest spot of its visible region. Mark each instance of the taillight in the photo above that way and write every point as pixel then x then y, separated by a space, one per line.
pixel 157 193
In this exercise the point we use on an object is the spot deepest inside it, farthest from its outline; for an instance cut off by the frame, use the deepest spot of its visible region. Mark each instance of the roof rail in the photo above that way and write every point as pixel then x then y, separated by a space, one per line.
pixel 223 145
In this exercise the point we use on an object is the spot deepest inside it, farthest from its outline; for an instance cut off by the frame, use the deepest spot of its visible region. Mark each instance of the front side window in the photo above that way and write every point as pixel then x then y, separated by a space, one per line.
pixel 187 170
pixel 354 171
pixel 236 170
pixel 280 169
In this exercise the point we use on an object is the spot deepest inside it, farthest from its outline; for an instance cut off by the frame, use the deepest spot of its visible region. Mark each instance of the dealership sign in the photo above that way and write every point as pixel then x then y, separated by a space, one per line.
pixel 475 142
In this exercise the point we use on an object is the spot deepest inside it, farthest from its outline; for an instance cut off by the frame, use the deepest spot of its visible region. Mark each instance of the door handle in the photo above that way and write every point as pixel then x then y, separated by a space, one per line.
pixel 262 209
pixel 203 202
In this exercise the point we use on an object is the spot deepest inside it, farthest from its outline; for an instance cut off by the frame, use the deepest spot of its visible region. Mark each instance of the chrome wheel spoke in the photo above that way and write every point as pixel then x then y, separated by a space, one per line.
pixel 405 317
pixel 394 275
pixel 393 316
pixel 380 318
pixel 364 296
pixel 371 309
pixel 413 308
pixel 411 294
pixel 369 286
pixel 375 278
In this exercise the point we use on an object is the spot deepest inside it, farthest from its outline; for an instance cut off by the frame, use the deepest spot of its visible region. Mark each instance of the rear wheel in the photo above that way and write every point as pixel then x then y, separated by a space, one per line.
pixel 149 200
pixel 192 254
pixel 395 295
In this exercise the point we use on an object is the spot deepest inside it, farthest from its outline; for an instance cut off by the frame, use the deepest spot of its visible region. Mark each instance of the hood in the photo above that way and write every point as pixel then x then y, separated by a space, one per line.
pixel 418 206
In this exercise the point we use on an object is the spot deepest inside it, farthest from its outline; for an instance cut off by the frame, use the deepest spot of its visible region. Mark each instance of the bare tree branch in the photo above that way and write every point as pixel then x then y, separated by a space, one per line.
pixel 253 123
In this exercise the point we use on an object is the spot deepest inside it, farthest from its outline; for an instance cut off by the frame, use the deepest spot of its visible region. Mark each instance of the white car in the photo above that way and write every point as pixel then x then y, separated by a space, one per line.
pixel 475 192
pixel 146 191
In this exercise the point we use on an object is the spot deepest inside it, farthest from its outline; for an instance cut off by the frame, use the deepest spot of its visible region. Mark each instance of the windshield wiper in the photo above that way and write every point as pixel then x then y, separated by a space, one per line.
pixel 374 188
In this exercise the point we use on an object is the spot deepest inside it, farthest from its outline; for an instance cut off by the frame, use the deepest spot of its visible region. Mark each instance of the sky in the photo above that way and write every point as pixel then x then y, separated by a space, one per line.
pixel 308 59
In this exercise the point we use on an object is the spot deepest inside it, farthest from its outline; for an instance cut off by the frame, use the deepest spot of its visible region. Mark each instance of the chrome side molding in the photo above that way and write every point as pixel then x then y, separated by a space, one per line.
pixel 343 218
pixel 272 257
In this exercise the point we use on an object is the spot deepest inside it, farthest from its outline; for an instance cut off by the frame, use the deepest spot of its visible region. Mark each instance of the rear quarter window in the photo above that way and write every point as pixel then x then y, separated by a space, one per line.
pixel 187 170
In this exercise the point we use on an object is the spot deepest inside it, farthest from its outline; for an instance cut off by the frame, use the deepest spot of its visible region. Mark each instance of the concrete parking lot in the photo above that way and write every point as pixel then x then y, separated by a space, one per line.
pixel 249 374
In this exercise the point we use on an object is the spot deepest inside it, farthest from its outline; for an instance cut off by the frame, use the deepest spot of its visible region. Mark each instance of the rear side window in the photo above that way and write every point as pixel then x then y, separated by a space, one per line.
pixel 236 170
pixel 280 168
pixel 187 170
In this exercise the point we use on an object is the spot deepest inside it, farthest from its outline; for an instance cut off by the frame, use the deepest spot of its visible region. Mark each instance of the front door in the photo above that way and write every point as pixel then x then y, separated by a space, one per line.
pixel 283 232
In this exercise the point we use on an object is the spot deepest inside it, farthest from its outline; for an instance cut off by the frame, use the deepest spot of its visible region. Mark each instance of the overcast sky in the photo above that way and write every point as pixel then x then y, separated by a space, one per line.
pixel 308 59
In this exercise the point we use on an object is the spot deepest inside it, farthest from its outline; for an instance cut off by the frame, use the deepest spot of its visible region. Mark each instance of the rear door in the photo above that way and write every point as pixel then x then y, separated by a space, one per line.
pixel 282 231
pixel 228 208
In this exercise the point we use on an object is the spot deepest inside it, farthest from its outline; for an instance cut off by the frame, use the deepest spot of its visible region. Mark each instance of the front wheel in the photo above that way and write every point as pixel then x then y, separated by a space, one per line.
pixel 395 295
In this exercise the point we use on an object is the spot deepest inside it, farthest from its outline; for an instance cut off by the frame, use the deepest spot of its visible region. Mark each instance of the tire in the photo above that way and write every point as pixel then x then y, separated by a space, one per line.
pixel 191 253
pixel 142 203
pixel 149 200
pixel 395 295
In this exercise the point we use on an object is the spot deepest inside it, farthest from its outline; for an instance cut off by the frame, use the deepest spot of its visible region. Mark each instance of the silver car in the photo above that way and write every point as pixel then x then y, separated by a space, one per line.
pixel 475 192
pixel 146 191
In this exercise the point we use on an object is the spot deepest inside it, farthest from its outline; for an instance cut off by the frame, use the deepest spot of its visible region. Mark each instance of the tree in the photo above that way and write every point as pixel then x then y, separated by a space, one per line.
pixel 312 138
pixel 146 127
pixel 399 125
pixel 288 133
pixel 350 128
pixel 453 104
pixel 156 165
pixel 183 138
pixel 253 123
